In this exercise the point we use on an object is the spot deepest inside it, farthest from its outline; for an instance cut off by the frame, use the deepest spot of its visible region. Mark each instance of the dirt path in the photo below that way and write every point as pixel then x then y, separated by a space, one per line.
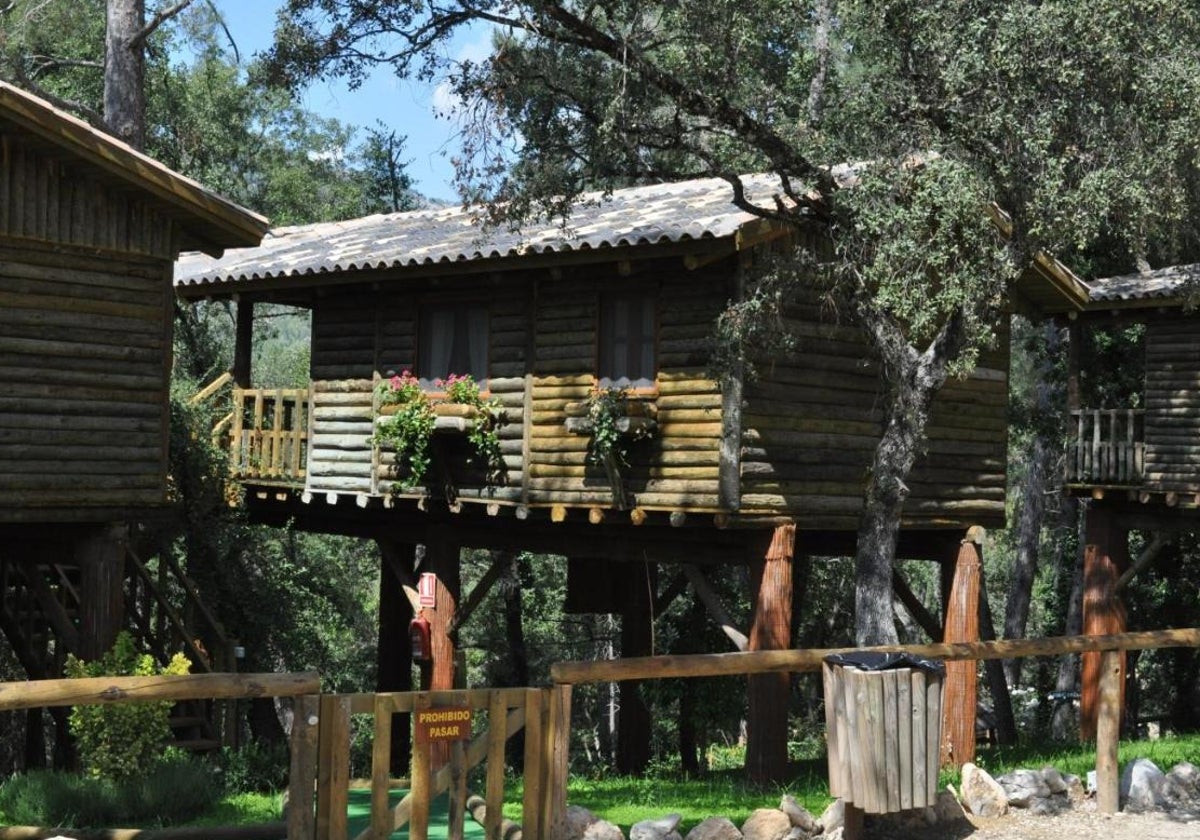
pixel 1080 823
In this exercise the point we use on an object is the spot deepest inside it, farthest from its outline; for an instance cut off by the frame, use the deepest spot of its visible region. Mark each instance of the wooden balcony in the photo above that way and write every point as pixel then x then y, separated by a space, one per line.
pixel 268 434
pixel 1107 447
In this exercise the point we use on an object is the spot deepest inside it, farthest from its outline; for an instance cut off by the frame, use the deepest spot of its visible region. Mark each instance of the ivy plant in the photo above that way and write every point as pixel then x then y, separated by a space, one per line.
pixel 409 431
pixel 608 443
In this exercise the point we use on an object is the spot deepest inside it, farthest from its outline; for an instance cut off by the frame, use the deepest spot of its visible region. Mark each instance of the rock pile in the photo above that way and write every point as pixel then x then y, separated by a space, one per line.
pixel 1144 787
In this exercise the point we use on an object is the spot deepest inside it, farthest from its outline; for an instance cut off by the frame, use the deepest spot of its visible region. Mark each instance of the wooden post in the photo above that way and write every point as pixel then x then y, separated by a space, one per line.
pixel 395 652
pixel 101 557
pixel 962 625
pixel 1105 557
pixel 637 626
pixel 766 750
pixel 243 346
pixel 302 775
pixel 558 759
pixel 1108 777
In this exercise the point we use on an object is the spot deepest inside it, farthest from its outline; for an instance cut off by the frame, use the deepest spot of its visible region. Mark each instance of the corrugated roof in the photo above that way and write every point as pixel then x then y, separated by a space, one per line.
pixel 208 220
pixel 1163 283
pixel 662 213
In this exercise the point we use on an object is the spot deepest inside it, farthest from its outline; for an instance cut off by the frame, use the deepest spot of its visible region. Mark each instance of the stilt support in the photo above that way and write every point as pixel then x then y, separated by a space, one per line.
pixel 962 625
pixel 1105 557
pixel 771 577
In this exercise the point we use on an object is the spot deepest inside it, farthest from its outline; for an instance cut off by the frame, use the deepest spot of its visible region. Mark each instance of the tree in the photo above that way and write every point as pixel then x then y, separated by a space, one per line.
pixel 1077 119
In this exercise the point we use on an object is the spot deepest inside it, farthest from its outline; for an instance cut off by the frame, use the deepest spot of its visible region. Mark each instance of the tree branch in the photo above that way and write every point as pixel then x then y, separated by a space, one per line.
pixel 162 16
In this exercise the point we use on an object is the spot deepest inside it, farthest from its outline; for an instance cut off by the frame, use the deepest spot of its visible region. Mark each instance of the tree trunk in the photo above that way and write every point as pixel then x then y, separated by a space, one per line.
pixel 1006 723
pixel 771 582
pixel 125 72
pixel 913 380
pixel 1030 499
pixel 1063 723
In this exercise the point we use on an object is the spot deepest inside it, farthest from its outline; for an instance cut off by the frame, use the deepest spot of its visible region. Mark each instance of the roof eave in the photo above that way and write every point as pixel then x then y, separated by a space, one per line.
pixel 213 222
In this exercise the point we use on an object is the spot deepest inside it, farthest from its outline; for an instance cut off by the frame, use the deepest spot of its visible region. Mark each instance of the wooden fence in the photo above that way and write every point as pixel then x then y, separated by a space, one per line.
pixel 321 753
pixel 1109 647
pixel 1108 446
pixel 268 433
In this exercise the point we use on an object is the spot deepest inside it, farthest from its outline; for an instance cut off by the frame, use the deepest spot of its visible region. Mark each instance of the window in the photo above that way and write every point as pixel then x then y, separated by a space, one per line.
pixel 453 339
pixel 628 324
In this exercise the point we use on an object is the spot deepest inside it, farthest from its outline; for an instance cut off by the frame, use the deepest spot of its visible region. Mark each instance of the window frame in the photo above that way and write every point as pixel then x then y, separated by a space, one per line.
pixel 605 298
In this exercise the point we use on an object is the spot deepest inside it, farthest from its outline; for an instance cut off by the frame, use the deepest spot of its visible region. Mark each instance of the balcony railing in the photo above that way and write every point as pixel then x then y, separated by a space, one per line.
pixel 268 433
pixel 1107 446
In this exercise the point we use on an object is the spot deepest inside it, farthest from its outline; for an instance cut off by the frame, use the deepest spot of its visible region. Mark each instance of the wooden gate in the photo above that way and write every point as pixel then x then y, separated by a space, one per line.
pixel 321 753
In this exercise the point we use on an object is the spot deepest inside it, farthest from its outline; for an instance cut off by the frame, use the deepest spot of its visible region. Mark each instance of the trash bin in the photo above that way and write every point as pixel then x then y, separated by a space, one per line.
pixel 883 721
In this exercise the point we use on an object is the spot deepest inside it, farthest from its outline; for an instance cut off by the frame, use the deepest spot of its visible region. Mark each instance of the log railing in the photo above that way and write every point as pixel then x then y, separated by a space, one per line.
pixel 1107 446
pixel 1110 648
pixel 268 435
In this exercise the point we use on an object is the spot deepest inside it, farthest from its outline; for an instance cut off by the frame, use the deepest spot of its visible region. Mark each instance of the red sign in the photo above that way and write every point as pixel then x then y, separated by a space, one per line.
pixel 450 723
pixel 427 591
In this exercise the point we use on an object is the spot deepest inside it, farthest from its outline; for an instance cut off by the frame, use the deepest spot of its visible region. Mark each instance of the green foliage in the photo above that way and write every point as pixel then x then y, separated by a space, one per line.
pixel 409 430
pixel 255 767
pixel 117 741
pixel 604 408
pixel 169 791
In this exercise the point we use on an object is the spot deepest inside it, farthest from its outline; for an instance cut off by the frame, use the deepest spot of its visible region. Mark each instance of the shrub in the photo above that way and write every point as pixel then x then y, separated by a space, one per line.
pixel 171 791
pixel 258 767
pixel 119 740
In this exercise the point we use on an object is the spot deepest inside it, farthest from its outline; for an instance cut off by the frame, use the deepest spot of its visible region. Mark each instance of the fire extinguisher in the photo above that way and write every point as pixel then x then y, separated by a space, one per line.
pixel 419 638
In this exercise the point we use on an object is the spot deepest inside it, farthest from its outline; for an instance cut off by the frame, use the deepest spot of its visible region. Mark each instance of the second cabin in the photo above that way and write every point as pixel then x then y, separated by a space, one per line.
pixel 548 320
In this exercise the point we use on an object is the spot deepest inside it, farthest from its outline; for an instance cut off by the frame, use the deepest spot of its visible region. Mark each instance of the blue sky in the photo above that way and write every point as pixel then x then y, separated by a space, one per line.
pixel 407 107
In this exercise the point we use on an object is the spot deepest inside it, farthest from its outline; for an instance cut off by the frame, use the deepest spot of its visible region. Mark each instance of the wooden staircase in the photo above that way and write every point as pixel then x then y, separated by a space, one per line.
pixel 163 611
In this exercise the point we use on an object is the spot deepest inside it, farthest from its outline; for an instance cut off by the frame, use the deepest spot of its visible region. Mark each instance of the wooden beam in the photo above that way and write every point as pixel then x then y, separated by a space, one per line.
pixel 1105 557
pixel 1149 555
pixel 243 344
pixel 920 613
pixel 32 694
pixel 712 603
pixel 1108 730
pixel 672 591
pixel 803 661
pixel 501 560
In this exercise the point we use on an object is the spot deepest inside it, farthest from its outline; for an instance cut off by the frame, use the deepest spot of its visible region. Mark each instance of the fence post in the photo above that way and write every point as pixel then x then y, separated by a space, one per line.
pixel 301 824
pixel 558 759
pixel 381 765
pixel 1108 730
pixel 534 750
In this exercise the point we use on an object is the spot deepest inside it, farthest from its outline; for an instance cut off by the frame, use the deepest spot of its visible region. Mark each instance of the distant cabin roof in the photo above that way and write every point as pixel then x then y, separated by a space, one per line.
pixel 680 213
pixel 209 222
pixel 1158 286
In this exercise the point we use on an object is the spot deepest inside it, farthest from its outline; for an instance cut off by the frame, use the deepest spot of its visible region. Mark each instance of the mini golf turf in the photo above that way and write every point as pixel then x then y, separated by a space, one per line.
pixel 360 815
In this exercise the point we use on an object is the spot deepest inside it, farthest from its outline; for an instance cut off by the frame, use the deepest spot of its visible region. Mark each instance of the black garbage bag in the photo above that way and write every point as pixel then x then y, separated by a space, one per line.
pixel 874 661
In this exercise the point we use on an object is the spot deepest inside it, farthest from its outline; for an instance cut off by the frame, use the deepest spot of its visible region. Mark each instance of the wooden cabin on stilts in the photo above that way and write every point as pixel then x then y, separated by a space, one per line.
pixel 721 468
pixel 89 231
pixel 1133 452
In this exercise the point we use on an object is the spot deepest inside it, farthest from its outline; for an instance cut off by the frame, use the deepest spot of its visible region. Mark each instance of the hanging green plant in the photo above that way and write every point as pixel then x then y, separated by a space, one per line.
pixel 408 428
pixel 614 421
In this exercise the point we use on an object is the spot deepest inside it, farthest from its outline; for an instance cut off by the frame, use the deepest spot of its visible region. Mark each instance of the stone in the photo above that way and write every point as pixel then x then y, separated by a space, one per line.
pixel 1181 787
pixel 834 816
pixel 663 828
pixel 946 808
pixel 981 794
pixel 1054 780
pixel 1075 790
pixel 1141 787
pixel 836 834
pixel 798 815
pixel 766 824
pixel 1022 787
pixel 582 824
pixel 715 828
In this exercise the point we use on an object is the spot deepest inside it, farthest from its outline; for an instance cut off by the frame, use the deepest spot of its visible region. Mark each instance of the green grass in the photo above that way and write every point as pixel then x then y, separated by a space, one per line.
pixel 1078 759
pixel 243 809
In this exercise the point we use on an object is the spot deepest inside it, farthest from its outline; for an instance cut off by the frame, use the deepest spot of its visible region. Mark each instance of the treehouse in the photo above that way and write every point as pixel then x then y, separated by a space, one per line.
pixel 598 332
pixel 1133 441
pixel 89 231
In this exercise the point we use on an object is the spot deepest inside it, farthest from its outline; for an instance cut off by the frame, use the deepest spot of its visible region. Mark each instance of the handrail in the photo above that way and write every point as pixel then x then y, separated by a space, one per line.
pixel 1107 446
pixel 268 438
pixel 211 388
pixel 797 661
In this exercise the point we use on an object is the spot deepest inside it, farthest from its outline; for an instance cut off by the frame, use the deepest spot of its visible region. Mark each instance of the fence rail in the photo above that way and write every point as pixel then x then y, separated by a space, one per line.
pixel 1108 446
pixel 268 435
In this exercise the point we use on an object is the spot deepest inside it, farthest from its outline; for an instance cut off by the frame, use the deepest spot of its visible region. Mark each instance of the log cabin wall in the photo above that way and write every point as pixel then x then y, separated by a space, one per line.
pixel 1172 419
pixel 85 307
pixel 542 356
pixel 812 420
